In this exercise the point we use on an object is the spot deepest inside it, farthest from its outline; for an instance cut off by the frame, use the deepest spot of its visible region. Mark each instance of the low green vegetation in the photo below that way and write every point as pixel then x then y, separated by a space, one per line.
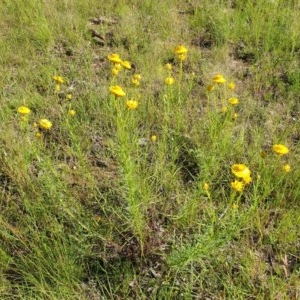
pixel 149 151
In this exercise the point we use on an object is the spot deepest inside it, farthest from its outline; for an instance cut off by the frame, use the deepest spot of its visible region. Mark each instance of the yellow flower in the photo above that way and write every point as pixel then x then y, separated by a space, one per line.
pixel 72 112
pixel 132 104
pixel 182 56
pixel 224 109
pixel 69 96
pixel 168 67
pixel 205 186
pixel 153 138
pixel 181 52
pixel 210 88
pixel 57 87
pixel 234 116
pixel 58 79
pixel 115 58
pixel 280 149
pixel 235 206
pixel 118 66
pixel 218 79
pixel 126 64
pixel 180 49
pixel 240 170
pixel 237 185
pixel 169 80
pixel 38 134
pixel 286 168
pixel 135 82
pixel 233 101
pixel 115 71
pixel 23 110
pixel 117 91
pixel 231 85
pixel 137 76
pixel 45 124
pixel 247 179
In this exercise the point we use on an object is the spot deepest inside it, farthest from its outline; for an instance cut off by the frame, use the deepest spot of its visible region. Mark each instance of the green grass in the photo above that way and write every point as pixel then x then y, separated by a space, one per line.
pixel 94 208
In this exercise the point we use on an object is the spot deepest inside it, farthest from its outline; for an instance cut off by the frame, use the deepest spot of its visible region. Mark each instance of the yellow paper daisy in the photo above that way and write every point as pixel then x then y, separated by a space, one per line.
pixel 219 79
pixel 169 80
pixel 132 104
pixel 117 91
pixel 240 170
pixel 233 101
pixel 126 64
pixel 137 76
pixel 237 185
pixel 72 112
pixel 58 79
pixel 45 124
pixel 115 58
pixel 153 138
pixel 286 168
pixel 180 49
pixel 280 149
pixel 168 67
pixel 210 88
pixel 23 110
pixel 231 85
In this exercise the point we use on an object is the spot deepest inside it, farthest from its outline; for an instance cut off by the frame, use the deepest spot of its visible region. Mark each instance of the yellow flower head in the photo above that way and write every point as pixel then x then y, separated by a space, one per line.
pixel 132 104
pixel 69 96
pixel 45 124
pixel 237 185
pixel 23 110
pixel 153 138
pixel 180 49
pixel 126 64
pixel 182 56
pixel 224 109
pixel 231 85
pixel 58 79
pixel 72 112
pixel 137 76
pixel 240 170
pixel 219 79
pixel 118 66
pixel 114 58
pixel 233 101
pixel 57 87
pixel 117 91
pixel 168 67
pixel 247 179
pixel 115 71
pixel 235 206
pixel 280 149
pixel 135 82
pixel 286 168
pixel 234 116
pixel 169 80
pixel 205 186
pixel 210 88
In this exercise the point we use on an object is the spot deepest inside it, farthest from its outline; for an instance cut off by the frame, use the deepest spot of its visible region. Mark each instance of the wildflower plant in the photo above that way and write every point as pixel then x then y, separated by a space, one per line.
pixel 129 180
